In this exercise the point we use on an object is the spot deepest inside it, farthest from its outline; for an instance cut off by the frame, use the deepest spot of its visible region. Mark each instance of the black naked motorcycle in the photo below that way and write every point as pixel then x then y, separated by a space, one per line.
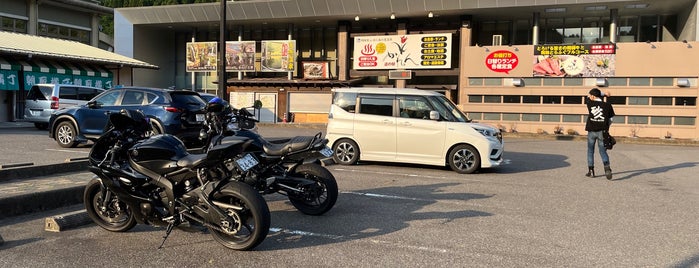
pixel 288 166
pixel 155 181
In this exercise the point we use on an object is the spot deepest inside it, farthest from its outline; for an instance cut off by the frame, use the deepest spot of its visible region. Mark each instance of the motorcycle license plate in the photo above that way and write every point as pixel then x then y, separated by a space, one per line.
pixel 327 152
pixel 247 162
pixel 200 117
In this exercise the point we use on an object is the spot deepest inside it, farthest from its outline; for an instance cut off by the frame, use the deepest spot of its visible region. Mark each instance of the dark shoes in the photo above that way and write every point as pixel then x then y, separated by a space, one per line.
pixel 590 172
pixel 608 172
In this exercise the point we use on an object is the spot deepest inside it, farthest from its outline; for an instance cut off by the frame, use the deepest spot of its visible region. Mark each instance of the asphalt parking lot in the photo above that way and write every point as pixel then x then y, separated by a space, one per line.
pixel 538 210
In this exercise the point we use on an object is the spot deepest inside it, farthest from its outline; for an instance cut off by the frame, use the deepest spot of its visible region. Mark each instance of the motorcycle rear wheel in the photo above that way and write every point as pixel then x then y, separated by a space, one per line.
pixel 253 220
pixel 322 196
pixel 117 216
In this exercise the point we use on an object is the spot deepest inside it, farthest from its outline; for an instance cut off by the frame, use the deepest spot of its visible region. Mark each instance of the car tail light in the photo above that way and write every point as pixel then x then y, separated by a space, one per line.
pixel 173 109
pixel 54 102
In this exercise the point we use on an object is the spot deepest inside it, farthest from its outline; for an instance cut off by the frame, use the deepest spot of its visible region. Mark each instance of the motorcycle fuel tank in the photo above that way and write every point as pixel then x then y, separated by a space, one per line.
pixel 159 153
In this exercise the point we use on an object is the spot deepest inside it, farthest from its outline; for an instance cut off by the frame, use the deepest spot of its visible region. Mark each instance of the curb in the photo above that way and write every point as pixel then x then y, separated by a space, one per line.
pixel 40 201
pixel 43 170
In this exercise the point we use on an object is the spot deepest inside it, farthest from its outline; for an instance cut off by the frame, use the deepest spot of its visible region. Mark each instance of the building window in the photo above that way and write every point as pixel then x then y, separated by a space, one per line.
pixel 493 81
pixel 475 82
pixel 510 117
pixel 531 117
pixel 551 117
pixel 685 121
pixel 556 82
pixel 662 81
pixel 492 99
pixel 616 81
pixel 531 99
pixel 573 99
pixel 552 99
pixel 511 99
pixel 639 81
pixel 640 120
pixel 475 98
pixel 661 120
pixel 13 25
pixel 491 116
pixel 475 116
pixel 638 100
pixel 63 32
pixel 617 100
pixel 661 101
pixel 571 82
pixel 532 81
pixel 572 118
pixel 686 101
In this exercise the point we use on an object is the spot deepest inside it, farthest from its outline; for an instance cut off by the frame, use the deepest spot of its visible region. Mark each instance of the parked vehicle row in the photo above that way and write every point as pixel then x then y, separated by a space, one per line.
pixel 44 99
pixel 371 124
pixel 177 112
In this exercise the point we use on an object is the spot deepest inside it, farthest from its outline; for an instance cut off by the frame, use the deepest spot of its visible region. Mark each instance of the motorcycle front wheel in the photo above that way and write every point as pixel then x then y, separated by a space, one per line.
pixel 318 198
pixel 112 215
pixel 250 214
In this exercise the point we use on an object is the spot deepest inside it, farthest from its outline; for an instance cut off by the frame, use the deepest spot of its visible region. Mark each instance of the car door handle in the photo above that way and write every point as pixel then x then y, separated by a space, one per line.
pixel 386 121
pixel 406 123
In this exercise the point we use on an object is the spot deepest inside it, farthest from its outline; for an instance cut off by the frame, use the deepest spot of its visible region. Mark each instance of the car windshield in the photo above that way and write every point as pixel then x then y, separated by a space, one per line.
pixel 447 110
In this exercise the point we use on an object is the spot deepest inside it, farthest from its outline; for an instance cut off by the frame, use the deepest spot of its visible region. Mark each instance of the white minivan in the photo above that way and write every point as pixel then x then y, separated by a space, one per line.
pixel 408 126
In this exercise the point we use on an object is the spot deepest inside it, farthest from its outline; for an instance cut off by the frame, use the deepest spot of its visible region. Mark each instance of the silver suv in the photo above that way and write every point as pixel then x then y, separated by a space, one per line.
pixel 44 99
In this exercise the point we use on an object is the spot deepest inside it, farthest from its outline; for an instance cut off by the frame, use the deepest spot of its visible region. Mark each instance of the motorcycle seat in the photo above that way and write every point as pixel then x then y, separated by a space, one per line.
pixel 191 160
pixel 294 144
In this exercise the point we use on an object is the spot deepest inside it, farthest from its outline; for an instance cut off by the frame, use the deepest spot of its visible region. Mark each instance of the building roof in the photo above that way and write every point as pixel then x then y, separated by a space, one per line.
pixel 18 44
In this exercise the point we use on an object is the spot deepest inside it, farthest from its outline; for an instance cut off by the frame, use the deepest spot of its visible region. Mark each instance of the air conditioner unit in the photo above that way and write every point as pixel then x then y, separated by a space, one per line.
pixel 497 40
pixel 683 82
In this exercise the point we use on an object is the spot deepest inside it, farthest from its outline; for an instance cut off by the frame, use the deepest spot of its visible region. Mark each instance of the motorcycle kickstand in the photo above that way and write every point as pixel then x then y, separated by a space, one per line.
pixel 168 230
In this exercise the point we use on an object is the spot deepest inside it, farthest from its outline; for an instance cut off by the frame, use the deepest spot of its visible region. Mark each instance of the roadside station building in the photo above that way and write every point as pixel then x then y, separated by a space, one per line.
pixel 521 65
pixel 55 41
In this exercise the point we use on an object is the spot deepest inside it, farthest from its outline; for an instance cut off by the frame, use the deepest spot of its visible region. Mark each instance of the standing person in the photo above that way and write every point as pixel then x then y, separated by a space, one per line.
pixel 599 119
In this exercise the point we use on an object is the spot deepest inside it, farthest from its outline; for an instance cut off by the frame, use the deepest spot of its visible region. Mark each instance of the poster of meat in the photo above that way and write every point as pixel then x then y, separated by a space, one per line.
pixel 278 56
pixel 315 70
pixel 588 60
pixel 201 56
pixel 412 51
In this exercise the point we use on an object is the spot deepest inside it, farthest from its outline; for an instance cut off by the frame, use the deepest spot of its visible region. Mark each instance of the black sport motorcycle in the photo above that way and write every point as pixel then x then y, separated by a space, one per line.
pixel 288 166
pixel 155 181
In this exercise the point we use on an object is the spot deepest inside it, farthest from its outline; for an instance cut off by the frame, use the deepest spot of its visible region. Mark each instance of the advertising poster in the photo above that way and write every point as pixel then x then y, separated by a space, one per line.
pixel 315 70
pixel 9 80
pixel 278 55
pixel 414 51
pixel 201 56
pixel 240 56
pixel 33 78
pixel 587 60
pixel 502 61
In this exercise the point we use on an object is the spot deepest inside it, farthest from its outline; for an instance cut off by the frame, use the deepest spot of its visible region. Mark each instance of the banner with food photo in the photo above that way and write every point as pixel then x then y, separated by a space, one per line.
pixel 315 70
pixel 584 60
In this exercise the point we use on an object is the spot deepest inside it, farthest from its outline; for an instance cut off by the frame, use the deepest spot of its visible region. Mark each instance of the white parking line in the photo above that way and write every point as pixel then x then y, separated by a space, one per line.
pixel 335 237
pixel 66 151
pixel 389 173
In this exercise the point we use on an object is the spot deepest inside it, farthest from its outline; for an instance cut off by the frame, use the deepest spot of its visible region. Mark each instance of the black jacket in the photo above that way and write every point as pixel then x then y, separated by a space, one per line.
pixel 599 115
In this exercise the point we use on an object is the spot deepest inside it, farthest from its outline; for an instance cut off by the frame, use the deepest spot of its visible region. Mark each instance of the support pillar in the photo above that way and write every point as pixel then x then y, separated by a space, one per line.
pixel 401 30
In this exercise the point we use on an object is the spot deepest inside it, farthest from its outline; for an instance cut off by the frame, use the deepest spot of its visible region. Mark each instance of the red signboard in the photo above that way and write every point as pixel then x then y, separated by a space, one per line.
pixel 502 61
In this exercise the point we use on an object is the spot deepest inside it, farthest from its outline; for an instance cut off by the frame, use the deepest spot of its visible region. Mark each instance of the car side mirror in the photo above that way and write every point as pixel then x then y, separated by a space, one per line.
pixel 434 115
pixel 92 104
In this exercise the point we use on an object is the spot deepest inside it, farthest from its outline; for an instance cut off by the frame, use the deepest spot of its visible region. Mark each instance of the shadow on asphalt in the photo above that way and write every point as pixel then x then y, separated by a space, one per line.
pixel 517 162
pixel 358 216
pixel 656 170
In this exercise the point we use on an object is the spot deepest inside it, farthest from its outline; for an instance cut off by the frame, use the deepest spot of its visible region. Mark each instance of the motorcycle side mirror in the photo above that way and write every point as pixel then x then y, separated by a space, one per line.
pixel 257 105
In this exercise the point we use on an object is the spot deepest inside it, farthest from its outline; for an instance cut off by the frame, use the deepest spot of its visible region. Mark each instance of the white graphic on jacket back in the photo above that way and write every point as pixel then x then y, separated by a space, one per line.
pixel 597 114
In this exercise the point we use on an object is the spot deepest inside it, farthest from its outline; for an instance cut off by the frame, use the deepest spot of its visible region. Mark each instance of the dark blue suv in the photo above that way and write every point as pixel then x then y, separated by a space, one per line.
pixel 177 112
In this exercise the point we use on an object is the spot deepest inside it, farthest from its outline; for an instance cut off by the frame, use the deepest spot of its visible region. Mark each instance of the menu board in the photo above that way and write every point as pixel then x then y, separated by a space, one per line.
pixel 413 51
